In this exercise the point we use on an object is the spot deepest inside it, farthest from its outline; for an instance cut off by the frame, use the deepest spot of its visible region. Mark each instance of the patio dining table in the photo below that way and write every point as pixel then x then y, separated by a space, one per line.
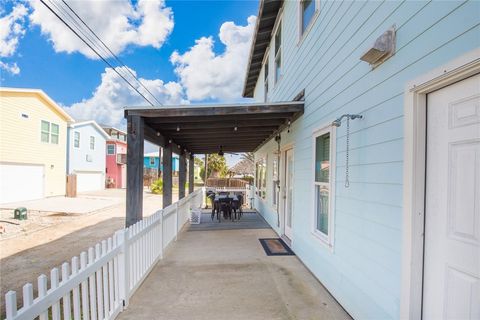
pixel 232 200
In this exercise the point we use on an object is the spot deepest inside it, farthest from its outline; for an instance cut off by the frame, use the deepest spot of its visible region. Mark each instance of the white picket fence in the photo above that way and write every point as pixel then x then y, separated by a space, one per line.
pixel 99 283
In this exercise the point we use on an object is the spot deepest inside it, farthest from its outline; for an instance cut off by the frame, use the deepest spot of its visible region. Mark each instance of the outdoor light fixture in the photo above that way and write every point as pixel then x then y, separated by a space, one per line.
pixel 178 128
pixel 235 129
pixel 158 134
pixel 220 152
pixel 170 141
pixel 178 146
pixel 289 123
pixel 382 49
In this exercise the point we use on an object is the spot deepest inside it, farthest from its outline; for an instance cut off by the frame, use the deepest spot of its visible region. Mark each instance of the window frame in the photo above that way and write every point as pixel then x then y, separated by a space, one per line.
pixel 275 182
pixel 45 132
pixel 261 178
pixel 75 145
pixel 54 134
pixel 114 149
pixel 279 54
pixel 266 75
pixel 302 33
pixel 326 239
pixel 92 142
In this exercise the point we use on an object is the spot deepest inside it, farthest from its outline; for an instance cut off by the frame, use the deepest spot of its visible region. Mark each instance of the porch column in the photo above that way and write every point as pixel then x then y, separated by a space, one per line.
pixel 191 173
pixel 135 134
pixel 167 175
pixel 182 175
pixel 159 173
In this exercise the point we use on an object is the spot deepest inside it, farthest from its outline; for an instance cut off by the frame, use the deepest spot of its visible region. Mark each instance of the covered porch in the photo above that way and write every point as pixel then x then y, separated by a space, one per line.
pixel 194 130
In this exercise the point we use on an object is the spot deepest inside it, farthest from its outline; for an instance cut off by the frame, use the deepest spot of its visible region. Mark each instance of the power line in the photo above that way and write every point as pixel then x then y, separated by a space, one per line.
pixel 111 52
pixel 96 52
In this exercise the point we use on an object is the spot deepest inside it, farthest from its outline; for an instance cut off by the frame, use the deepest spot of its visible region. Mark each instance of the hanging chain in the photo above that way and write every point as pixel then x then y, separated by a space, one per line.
pixel 347 174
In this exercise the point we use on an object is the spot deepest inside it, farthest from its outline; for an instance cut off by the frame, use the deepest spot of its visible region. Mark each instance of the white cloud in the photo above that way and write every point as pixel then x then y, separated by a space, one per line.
pixel 118 23
pixel 12 68
pixel 108 100
pixel 206 75
pixel 11 30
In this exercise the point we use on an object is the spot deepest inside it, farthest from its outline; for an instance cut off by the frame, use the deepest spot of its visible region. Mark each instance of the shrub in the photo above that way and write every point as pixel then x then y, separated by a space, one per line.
pixel 157 186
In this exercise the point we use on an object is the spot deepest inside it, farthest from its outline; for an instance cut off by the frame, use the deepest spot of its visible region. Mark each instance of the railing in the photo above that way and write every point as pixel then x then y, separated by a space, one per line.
pixel 247 191
pixel 99 283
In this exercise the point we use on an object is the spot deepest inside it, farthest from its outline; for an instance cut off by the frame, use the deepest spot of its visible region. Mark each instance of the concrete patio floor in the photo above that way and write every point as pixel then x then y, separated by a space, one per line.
pixel 225 274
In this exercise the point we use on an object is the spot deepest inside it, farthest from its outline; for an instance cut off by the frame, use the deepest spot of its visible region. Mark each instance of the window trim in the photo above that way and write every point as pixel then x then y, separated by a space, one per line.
pixel 47 132
pixel 325 240
pixel 264 189
pixel 114 149
pixel 74 139
pixel 302 34
pixel 92 140
pixel 278 24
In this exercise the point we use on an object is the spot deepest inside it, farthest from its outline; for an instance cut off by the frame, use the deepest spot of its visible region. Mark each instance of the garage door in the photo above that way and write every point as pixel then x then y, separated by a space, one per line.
pixel 90 181
pixel 452 223
pixel 20 182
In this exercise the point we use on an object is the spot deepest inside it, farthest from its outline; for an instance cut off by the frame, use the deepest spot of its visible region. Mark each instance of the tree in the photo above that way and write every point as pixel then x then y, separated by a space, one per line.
pixel 248 156
pixel 217 167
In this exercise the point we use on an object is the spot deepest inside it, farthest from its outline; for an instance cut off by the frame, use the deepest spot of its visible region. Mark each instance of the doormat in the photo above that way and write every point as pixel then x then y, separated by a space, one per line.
pixel 276 247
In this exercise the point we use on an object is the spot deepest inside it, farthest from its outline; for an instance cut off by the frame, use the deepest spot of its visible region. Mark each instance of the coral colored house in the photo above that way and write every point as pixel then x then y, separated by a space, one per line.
pixel 116 158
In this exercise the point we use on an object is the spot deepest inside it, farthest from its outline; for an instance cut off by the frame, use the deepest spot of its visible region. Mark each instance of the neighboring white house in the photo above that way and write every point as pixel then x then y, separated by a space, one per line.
pixel 86 155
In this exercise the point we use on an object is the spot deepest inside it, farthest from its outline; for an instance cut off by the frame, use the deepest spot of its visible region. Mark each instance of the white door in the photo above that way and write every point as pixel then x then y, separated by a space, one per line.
pixel 452 219
pixel 90 181
pixel 288 193
pixel 19 182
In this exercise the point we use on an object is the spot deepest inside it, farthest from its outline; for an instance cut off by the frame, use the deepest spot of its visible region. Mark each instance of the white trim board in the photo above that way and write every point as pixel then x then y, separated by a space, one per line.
pixel 414 174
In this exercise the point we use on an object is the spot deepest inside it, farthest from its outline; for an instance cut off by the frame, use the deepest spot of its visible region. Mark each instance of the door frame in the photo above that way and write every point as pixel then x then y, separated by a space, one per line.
pixel 414 174
pixel 283 167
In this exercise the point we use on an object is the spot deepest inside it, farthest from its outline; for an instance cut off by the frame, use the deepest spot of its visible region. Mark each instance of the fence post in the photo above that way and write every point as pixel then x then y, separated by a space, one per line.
pixel 123 267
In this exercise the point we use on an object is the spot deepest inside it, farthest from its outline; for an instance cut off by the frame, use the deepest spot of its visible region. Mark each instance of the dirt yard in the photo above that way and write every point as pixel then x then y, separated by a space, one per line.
pixel 46 240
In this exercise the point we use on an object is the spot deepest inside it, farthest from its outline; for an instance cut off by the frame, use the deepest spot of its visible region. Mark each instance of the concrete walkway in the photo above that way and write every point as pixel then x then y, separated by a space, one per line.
pixel 225 274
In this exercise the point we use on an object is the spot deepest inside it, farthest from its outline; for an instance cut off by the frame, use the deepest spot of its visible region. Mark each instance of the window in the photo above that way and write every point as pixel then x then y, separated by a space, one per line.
pixel 278 53
pixel 323 185
pixel 45 131
pixel 266 78
pixel 152 161
pixel 92 143
pixel 76 139
pixel 275 183
pixel 110 149
pixel 54 134
pixel 307 11
pixel 49 132
pixel 261 177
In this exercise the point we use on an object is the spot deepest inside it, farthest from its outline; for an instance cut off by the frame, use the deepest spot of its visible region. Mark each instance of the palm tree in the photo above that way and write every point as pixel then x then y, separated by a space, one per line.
pixel 248 156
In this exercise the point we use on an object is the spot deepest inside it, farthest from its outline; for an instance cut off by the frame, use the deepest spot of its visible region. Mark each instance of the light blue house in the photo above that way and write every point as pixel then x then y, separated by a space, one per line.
pixel 383 204
pixel 151 161
pixel 86 155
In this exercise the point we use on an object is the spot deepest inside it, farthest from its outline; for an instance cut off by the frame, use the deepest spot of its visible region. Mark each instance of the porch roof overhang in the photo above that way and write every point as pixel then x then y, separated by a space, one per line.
pixel 204 129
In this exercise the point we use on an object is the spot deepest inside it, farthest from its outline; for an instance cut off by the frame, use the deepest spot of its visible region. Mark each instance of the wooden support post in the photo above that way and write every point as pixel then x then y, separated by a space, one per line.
pixel 191 173
pixel 159 162
pixel 182 175
pixel 167 175
pixel 135 127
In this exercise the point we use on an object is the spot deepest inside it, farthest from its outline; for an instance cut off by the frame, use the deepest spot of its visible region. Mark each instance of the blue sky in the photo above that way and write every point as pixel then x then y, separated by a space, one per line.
pixel 181 56
pixel 68 78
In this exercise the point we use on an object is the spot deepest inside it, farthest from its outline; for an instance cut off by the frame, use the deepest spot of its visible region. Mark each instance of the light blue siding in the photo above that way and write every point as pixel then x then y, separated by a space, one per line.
pixel 363 270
